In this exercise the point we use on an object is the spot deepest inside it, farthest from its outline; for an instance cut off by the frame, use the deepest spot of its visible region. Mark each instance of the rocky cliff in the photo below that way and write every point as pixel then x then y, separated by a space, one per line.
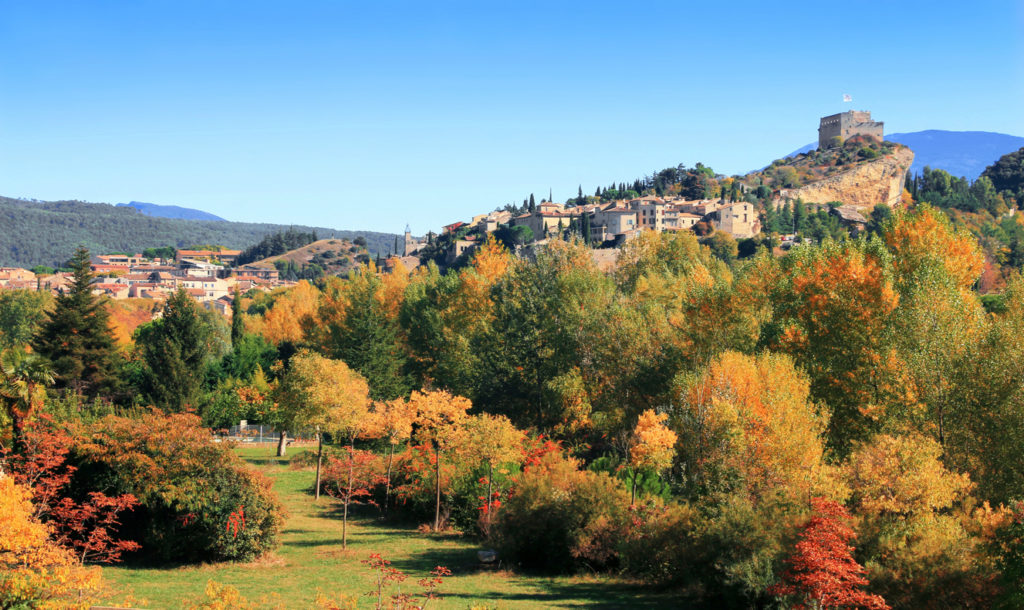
pixel 863 186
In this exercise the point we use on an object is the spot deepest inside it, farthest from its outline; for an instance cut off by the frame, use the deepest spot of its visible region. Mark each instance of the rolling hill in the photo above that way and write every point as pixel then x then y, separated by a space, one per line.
pixel 961 153
pixel 46 233
pixel 169 211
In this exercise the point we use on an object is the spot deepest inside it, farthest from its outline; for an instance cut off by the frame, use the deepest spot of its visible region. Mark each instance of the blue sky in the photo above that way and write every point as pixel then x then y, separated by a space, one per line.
pixel 374 114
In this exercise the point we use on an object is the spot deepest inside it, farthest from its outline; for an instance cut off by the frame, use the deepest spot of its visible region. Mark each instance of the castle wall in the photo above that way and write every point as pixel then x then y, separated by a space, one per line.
pixel 846 125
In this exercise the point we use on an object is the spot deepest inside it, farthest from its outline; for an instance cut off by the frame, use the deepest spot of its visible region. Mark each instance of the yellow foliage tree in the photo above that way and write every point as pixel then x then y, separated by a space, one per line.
pixel 324 394
pixel 926 234
pixel 292 312
pixel 440 419
pixel 392 421
pixel 751 415
pixel 35 572
pixel 492 439
pixel 904 499
pixel 652 445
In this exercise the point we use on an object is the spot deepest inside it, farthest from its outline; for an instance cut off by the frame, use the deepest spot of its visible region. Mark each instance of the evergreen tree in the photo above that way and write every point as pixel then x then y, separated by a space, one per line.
pixel 579 195
pixel 76 336
pixel 533 204
pixel 367 341
pixel 173 351
pixel 585 228
pixel 237 325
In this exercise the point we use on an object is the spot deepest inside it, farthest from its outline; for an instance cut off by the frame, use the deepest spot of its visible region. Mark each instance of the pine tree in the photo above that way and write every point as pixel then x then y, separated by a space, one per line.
pixel 76 337
pixel 173 352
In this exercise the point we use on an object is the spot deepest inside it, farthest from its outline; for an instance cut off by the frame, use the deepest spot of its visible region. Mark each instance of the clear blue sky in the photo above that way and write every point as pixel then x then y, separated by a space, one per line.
pixel 369 115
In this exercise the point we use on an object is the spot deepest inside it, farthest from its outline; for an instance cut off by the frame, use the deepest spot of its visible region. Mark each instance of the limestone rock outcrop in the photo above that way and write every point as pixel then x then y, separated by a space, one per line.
pixel 862 186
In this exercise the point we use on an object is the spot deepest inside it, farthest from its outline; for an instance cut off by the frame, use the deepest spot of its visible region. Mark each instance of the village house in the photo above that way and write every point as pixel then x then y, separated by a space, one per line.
pixel 739 219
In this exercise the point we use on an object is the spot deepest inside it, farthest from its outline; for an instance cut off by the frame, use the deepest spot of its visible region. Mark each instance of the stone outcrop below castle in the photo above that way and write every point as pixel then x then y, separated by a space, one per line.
pixel 863 186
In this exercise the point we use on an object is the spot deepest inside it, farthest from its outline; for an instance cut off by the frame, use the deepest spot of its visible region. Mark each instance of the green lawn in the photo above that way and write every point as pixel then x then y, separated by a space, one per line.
pixel 310 558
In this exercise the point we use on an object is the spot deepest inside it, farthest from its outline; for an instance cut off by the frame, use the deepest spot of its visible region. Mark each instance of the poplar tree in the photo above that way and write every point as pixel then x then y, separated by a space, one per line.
pixel 76 336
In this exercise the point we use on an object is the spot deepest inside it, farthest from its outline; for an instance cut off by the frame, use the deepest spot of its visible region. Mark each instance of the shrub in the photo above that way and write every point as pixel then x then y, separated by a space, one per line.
pixel 660 542
pixel 198 501
pixel 560 517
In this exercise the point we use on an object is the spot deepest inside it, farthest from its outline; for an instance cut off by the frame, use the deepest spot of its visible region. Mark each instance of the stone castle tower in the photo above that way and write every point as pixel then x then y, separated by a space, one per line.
pixel 845 125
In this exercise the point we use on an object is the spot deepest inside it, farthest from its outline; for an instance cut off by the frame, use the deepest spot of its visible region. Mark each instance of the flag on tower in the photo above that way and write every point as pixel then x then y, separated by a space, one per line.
pixel 847 98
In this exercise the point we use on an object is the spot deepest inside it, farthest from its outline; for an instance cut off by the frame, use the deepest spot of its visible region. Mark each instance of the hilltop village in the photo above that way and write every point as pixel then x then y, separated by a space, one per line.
pixel 852 171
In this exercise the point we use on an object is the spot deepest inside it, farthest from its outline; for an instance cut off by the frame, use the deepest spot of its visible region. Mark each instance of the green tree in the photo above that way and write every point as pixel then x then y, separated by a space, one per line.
pixel 174 351
pixel 367 339
pixel 21 312
pixel 76 336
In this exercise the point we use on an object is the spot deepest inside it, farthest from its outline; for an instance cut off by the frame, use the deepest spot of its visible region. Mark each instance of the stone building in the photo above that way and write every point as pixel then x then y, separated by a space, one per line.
pixel 845 125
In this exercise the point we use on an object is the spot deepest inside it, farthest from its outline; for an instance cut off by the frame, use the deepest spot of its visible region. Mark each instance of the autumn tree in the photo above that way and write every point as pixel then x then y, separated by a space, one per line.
pixel 34 571
pixel 76 336
pixel 821 572
pixel 324 394
pixel 652 446
pixel 493 440
pixel 912 540
pixel 440 418
pixel 833 313
pixel 351 480
pixel 750 419
pixel 927 235
pixel 392 421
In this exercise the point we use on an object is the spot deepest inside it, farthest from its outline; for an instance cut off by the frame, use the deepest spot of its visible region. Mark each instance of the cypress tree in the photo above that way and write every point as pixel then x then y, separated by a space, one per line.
pixel 533 204
pixel 76 336
pixel 237 327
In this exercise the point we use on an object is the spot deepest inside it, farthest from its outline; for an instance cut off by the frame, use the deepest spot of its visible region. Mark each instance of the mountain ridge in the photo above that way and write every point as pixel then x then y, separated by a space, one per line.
pixel 170 211
pixel 961 153
pixel 47 232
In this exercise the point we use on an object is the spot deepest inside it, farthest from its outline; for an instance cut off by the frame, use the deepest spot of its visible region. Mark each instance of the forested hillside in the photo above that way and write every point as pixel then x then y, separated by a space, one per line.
pixel 46 233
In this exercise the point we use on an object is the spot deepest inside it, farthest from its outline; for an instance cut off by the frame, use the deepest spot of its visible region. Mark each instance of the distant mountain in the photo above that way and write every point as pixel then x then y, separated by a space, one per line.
pixel 169 211
pixel 961 153
pixel 47 232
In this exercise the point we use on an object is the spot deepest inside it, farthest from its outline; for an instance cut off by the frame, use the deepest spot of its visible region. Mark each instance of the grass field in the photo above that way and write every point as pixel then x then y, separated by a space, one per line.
pixel 310 559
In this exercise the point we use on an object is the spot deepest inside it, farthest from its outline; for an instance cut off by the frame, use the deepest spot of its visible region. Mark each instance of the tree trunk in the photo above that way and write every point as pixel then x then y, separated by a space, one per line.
pixel 282 444
pixel 490 478
pixel 437 491
pixel 387 485
pixel 632 499
pixel 319 460
pixel 348 498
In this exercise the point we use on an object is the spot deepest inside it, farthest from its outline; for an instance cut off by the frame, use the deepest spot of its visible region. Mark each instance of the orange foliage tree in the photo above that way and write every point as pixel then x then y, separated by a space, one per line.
pixel 926 234
pixel 652 445
pixel 834 310
pixel 822 572
pixel 440 418
pixel 34 571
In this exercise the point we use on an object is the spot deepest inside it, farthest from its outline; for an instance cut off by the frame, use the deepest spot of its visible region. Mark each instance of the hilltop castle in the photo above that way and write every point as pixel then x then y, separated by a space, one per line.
pixel 845 125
